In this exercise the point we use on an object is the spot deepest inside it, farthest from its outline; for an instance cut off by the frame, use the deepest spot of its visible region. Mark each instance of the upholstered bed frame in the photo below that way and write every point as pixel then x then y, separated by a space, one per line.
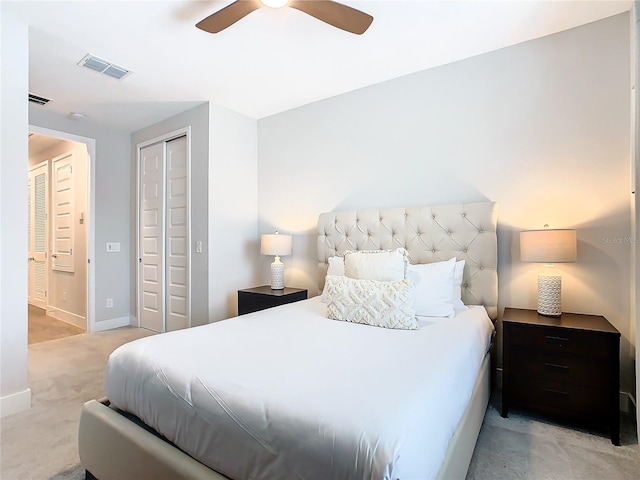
pixel 116 446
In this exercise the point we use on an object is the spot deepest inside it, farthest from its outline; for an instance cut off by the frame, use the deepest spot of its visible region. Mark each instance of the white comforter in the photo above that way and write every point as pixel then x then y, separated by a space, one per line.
pixel 289 394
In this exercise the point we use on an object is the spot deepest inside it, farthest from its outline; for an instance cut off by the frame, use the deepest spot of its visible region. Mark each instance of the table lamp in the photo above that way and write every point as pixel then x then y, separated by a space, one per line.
pixel 276 244
pixel 548 246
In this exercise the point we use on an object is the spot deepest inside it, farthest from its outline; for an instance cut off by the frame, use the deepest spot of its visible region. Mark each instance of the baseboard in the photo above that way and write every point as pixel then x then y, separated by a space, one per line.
pixel 67 317
pixel 16 402
pixel 111 324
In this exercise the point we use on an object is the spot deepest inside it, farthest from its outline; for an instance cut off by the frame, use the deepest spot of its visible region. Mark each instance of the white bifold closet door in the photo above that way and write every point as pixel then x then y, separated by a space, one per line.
pixel 163 243
pixel 38 228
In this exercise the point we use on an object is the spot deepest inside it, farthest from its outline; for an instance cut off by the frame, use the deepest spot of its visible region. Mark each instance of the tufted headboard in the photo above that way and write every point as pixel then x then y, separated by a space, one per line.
pixel 429 234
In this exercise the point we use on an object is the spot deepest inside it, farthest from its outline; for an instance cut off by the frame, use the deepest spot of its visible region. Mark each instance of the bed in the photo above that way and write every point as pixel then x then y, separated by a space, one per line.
pixel 354 405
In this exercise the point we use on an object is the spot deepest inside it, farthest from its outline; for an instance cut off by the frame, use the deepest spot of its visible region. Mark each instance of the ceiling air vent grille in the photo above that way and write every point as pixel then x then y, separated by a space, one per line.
pixel 38 99
pixel 102 66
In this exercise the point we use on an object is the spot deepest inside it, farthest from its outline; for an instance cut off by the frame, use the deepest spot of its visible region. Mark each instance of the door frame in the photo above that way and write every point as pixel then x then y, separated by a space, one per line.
pixel 90 209
pixel 181 132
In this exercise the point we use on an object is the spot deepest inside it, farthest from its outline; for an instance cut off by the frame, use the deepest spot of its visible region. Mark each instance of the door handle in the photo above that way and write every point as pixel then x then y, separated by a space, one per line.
pixel 54 255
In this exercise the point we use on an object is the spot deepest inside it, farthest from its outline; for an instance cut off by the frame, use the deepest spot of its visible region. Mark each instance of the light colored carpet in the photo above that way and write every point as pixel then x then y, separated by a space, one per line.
pixel 526 446
pixel 41 444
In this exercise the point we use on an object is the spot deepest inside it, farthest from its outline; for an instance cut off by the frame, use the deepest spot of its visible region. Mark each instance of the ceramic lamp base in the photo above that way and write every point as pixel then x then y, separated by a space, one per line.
pixel 277 274
pixel 549 295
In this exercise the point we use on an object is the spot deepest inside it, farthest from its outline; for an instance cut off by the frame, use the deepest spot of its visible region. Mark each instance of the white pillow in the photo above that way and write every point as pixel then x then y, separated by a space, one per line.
pixel 434 288
pixel 457 286
pixel 335 267
pixel 372 302
pixel 380 265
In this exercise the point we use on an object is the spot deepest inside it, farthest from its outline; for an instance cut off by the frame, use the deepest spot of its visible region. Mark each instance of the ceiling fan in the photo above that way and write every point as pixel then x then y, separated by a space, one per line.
pixel 333 13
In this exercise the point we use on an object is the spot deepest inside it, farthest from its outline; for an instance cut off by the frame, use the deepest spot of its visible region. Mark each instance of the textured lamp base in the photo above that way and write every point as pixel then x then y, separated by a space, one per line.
pixel 549 295
pixel 277 274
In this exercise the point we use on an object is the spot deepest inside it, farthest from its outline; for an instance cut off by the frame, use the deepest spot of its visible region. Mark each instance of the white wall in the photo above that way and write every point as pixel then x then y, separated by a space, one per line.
pixel 233 245
pixel 198 119
pixel 635 52
pixel 15 394
pixel 112 211
pixel 542 128
pixel 67 291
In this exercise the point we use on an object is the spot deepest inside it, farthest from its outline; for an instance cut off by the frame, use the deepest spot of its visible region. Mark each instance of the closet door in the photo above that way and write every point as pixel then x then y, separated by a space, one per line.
pixel 38 227
pixel 151 238
pixel 163 278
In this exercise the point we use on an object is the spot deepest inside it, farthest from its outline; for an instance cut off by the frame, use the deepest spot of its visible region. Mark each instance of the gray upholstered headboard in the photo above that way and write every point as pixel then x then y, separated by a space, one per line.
pixel 429 234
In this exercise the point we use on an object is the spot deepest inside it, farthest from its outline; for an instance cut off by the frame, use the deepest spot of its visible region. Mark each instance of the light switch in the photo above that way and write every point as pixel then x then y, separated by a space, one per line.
pixel 113 246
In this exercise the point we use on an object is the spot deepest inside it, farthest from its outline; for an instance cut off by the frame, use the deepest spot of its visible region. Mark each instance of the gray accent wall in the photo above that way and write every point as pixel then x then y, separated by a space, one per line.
pixel 541 128
pixel 112 209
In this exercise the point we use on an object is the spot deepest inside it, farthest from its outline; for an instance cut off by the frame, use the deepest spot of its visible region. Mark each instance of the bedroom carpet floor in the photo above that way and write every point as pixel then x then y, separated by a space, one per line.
pixel 41 443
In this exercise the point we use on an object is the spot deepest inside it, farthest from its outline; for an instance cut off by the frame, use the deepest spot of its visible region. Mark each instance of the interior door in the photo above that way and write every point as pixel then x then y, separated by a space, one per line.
pixel 177 235
pixel 37 236
pixel 151 238
pixel 62 258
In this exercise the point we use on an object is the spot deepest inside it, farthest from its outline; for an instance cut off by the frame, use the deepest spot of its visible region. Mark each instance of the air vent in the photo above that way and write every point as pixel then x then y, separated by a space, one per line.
pixel 39 100
pixel 102 66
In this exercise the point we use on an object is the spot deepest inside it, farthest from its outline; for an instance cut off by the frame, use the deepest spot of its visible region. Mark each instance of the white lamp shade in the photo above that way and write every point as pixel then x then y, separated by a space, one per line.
pixel 548 246
pixel 275 244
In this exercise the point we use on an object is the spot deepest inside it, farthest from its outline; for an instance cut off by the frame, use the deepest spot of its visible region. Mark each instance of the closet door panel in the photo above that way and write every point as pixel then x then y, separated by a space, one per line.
pixel 177 235
pixel 151 238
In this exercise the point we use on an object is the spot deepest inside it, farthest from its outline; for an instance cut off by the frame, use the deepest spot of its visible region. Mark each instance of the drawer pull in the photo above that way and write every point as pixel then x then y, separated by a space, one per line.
pixel 556 392
pixel 556 340
pixel 556 368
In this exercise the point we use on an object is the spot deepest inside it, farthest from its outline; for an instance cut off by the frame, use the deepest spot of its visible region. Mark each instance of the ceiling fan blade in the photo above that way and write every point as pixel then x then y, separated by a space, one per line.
pixel 336 14
pixel 228 15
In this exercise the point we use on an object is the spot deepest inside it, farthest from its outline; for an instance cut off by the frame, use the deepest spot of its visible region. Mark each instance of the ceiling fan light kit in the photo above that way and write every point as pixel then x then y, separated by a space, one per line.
pixel 333 13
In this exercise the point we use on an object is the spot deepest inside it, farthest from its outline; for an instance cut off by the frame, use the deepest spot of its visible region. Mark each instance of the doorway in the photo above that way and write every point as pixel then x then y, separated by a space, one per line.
pixel 58 236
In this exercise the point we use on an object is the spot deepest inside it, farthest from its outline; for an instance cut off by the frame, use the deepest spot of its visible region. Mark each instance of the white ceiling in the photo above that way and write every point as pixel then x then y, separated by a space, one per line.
pixel 270 61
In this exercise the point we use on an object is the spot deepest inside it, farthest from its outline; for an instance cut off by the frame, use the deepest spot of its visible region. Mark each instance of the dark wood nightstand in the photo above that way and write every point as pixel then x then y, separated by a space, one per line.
pixel 567 366
pixel 260 298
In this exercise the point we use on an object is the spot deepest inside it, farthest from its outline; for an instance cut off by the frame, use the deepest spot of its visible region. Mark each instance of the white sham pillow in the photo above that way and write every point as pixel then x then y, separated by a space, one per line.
pixel 380 265
pixel 434 288
pixel 457 286
pixel 372 302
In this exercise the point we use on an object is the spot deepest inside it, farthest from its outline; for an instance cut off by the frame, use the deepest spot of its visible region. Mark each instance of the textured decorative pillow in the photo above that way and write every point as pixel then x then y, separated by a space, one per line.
pixel 457 286
pixel 434 288
pixel 381 265
pixel 335 267
pixel 372 302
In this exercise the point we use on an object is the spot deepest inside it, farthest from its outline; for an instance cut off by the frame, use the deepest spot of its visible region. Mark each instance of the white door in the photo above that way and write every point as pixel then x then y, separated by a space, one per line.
pixel 38 228
pixel 177 235
pixel 151 238
pixel 62 258
pixel 163 243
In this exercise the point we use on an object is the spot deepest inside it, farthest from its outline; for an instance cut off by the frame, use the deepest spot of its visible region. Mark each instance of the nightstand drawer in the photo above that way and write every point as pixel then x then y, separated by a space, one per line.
pixel 561 340
pixel 560 398
pixel 575 369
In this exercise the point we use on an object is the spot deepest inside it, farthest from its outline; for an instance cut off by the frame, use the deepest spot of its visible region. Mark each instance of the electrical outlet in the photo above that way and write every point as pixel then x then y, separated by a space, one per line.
pixel 199 246
pixel 64 297
pixel 109 302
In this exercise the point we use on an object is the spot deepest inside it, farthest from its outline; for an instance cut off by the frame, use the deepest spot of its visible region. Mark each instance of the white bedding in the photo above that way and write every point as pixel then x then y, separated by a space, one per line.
pixel 287 393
